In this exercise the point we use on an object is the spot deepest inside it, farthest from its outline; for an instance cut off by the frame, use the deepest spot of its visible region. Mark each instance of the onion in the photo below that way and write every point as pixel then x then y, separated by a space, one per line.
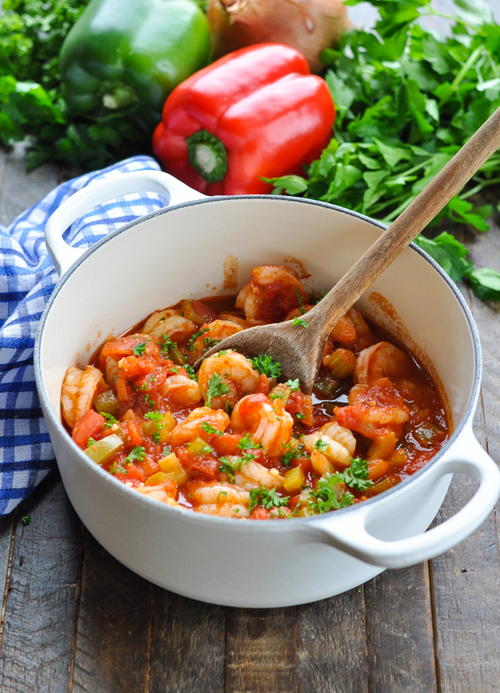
pixel 307 25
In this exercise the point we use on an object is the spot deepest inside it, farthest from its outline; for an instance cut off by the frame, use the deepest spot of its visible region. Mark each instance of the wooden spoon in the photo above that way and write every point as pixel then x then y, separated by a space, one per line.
pixel 299 349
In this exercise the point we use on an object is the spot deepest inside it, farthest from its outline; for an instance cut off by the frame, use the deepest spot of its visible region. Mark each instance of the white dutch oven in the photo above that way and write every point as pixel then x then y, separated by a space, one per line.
pixel 179 252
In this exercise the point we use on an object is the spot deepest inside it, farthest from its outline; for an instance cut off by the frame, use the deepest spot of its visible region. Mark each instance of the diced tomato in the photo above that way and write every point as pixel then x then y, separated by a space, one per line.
pixel 206 312
pixel 87 426
pixel 124 346
pixel 204 466
pixel 226 444
pixel 133 431
pixel 134 366
pixel 298 403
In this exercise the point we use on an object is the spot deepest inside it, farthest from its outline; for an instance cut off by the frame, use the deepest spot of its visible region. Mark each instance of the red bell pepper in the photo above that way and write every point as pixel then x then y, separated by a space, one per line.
pixel 256 112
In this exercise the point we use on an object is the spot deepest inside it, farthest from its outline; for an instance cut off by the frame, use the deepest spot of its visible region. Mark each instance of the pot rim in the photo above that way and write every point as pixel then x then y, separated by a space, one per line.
pixel 234 523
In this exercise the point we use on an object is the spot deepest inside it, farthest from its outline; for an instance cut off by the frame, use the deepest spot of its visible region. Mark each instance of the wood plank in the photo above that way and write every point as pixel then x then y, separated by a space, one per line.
pixel 113 631
pixel 187 645
pixel 399 631
pixel 465 580
pixel 40 608
pixel 332 648
pixel 261 650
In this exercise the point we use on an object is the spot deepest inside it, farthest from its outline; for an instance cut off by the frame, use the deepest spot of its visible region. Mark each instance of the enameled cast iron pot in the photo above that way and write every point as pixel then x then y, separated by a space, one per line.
pixel 179 252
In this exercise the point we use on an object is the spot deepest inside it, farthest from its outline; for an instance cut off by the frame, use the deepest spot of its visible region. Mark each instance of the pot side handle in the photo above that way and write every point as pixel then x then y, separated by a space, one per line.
pixel 349 532
pixel 63 254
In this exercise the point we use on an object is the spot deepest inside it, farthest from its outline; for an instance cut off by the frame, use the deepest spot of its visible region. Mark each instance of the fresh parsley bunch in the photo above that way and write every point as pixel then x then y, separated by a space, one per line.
pixel 406 101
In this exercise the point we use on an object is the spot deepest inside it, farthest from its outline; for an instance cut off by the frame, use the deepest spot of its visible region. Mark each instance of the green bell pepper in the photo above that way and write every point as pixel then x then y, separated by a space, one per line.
pixel 128 56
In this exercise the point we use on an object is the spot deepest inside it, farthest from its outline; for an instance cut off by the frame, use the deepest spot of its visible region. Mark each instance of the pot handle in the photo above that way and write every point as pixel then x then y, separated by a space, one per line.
pixel 349 531
pixel 63 254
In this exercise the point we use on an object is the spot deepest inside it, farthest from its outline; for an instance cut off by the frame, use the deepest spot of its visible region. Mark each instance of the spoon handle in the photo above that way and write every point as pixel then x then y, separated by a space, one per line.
pixel 431 200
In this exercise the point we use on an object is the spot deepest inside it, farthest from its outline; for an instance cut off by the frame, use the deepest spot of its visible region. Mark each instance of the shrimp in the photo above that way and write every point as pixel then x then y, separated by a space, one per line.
pixel 271 294
pixel 252 475
pixel 190 428
pixel 111 370
pixel 273 429
pixel 341 434
pixel 379 361
pixel 221 499
pixel 373 410
pixel 210 333
pixel 181 390
pixel 168 322
pixel 236 374
pixel 158 493
pixel 328 447
pixel 78 390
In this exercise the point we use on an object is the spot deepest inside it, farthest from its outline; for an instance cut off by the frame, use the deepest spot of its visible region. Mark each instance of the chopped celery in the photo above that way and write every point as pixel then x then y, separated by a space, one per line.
pixel 102 450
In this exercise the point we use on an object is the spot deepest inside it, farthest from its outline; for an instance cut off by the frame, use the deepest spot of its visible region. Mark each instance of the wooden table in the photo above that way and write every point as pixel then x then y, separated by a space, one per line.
pixel 73 619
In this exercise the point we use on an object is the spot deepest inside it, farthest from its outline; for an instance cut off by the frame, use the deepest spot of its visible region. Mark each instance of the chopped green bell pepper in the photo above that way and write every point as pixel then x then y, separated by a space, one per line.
pixel 128 56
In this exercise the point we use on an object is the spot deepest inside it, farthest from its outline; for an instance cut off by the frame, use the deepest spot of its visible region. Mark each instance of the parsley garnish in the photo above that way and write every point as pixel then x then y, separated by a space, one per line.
pixel 299 416
pixel 110 419
pixel 90 442
pixel 117 468
pixel 356 475
pixel 149 401
pixel 209 342
pixel 299 322
pixel 208 428
pixel 194 337
pixel 248 443
pixel 137 453
pixel 154 415
pixel 321 445
pixel 267 365
pixel 277 395
pixel 292 453
pixel 294 385
pixel 229 466
pixel 267 497
pixel 329 494
pixel 26 520
pixel 139 349
pixel 190 371
pixel 223 352
pixel 166 344
pixel 216 387
pixel 300 301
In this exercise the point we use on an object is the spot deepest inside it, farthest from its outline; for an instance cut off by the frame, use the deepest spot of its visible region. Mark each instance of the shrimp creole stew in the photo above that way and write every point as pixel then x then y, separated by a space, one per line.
pixel 233 440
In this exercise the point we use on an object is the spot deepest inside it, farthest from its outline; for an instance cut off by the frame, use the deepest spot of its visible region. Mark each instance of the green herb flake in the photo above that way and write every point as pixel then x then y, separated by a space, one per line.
pixel 208 428
pixel 216 387
pixel 268 498
pixel 190 371
pixel 110 419
pixel 90 442
pixel 267 365
pixel 299 322
pixel 26 520
pixel 139 349
pixel 138 453
pixel 321 445
pixel 194 337
pixel 294 385
pixel 248 443
pixel 229 466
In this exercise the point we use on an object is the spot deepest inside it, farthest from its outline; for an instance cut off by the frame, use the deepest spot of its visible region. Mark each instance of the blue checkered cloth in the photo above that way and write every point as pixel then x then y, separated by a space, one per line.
pixel 27 278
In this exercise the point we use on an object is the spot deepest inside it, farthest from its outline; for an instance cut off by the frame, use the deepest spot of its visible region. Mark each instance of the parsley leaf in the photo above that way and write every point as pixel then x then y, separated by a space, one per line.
pixel 356 475
pixel 321 445
pixel 208 428
pixel 330 494
pixel 137 453
pixel 229 466
pixel 294 385
pixel 299 322
pixel 248 443
pixel 110 419
pixel 268 498
pixel 216 387
pixel 139 349
pixel 267 365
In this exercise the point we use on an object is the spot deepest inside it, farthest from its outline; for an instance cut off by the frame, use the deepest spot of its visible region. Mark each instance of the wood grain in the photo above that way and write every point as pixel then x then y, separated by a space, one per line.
pixel 187 645
pixel 465 580
pixel 332 648
pixel 400 633
pixel 261 647
pixel 41 601
pixel 113 633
